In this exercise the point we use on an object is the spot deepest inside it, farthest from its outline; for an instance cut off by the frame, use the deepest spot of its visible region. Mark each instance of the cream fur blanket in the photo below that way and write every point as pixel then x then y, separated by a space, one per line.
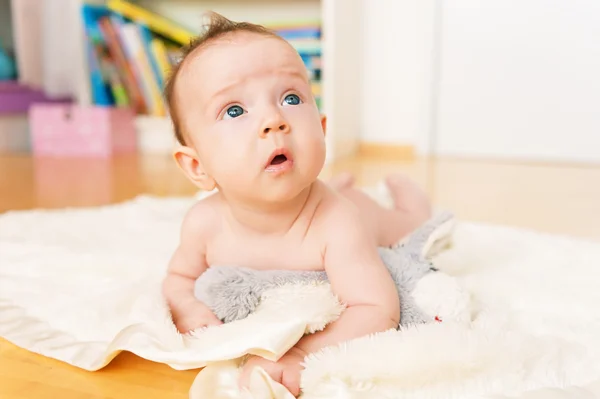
pixel 81 285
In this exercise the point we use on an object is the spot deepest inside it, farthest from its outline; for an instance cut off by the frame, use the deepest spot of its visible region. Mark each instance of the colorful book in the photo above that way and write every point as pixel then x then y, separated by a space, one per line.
pixel 121 64
pixel 159 51
pixel 154 22
pixel 138 57
pixel 292 33
pixel 112 79
pixel 306 46
pixel 146 37
pixel 100 88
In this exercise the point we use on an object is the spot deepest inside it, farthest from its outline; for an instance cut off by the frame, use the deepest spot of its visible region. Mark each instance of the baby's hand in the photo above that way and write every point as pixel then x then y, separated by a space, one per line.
pixel 286 371
pixel 193 316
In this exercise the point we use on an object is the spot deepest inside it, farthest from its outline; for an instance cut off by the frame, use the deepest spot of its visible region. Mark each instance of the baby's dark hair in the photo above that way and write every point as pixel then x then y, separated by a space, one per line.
pixel 216 28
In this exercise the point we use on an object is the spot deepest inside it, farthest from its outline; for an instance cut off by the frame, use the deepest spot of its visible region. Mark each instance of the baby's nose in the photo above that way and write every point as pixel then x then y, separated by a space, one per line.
pixel 274 125
pixel 282 128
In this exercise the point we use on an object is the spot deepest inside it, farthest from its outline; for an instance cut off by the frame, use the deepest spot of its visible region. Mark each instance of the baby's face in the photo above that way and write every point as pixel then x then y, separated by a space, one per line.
pixel 246 105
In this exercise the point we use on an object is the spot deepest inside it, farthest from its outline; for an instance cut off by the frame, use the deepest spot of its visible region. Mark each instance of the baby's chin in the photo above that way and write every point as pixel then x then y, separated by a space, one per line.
pixel 282 191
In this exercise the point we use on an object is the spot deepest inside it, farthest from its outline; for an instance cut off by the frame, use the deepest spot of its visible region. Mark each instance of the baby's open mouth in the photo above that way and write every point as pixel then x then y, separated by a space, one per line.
pixel 279 159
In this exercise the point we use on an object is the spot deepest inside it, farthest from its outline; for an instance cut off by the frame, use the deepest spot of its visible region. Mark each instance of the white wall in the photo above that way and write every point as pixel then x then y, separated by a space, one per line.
pixel 397 71
pixel 500 78
pixel 342 71
pixel 520 79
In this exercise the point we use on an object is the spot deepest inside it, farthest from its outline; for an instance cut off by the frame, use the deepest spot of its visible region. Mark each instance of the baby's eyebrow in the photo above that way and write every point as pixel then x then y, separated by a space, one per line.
pixel 222 91
pixel 296 73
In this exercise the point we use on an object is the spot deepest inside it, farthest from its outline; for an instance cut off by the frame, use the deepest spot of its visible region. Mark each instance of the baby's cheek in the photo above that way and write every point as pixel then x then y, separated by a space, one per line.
pixel 314 156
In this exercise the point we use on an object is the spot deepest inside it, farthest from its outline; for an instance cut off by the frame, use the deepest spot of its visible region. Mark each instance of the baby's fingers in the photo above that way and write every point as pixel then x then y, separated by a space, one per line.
pixel 213 321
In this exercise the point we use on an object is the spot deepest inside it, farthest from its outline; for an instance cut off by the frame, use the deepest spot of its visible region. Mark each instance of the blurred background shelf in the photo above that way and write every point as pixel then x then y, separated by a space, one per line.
pixel 502 79
pixel 117 53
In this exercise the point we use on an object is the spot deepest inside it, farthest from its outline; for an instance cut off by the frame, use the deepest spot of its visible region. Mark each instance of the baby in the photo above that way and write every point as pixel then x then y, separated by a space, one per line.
pixel 248 125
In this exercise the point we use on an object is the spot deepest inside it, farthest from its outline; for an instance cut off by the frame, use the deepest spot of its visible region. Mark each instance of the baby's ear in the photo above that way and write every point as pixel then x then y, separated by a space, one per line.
pixel 324 124
pixel 188 161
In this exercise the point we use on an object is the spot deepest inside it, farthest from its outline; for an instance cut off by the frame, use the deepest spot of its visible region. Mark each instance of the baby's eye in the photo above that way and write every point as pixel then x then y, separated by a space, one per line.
pixel 292 99
pixel 234 111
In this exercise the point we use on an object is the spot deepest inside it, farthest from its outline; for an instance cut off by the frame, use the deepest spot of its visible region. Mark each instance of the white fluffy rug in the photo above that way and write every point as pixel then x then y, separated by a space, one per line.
pixel 81 285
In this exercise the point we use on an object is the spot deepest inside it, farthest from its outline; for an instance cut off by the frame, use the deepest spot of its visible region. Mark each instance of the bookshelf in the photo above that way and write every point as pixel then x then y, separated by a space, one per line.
pixel 340 62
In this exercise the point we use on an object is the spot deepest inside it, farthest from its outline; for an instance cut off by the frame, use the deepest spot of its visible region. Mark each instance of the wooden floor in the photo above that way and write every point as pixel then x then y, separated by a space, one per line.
pixel 560 199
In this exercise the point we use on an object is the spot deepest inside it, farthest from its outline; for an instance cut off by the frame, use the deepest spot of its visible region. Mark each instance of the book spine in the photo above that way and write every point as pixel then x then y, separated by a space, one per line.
pixel 122 66
pixel 136 54
pixel 111 74
pixel 127 35
pixel 156 23
pixel 100 88
pixel 162 58
pixel 146 38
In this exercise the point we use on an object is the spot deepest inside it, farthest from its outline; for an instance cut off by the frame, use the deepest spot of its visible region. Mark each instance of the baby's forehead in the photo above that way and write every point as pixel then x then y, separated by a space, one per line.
pixel 244 48
pixel 239 53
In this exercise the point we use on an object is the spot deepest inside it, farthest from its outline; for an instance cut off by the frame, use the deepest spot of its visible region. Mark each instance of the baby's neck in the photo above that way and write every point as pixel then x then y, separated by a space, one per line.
pixel 272 219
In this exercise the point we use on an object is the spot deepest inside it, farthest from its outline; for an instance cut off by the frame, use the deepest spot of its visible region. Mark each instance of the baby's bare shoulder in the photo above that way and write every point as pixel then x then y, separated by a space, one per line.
pixel 342 230
pixel 336 212
pixel 203 218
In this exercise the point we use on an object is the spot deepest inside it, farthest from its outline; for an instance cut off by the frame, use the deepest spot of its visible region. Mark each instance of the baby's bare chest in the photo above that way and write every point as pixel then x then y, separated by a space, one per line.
pixel 266 253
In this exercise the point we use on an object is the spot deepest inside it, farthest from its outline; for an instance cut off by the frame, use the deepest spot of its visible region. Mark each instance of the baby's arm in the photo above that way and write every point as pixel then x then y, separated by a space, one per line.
pixel 186 265
pixel 360 280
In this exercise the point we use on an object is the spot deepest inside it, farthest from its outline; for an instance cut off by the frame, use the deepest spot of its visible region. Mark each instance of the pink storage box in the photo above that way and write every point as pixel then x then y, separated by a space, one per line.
pixel 15 100
pixel 72 130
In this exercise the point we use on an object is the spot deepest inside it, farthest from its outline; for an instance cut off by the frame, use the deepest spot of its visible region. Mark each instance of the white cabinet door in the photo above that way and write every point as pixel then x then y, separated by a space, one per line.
pixel 519 79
